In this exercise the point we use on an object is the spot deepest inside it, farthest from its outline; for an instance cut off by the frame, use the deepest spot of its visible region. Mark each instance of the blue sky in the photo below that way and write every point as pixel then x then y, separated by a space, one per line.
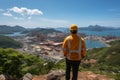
pixel 60 13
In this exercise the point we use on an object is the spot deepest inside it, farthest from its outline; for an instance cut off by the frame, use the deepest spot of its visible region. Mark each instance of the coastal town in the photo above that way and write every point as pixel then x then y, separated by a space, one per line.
pixel 47 42
pixel 49 46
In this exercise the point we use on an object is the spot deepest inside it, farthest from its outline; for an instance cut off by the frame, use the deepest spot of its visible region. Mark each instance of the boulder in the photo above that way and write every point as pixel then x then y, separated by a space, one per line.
pixel 56 75
pixel 27 76
pixel 2 77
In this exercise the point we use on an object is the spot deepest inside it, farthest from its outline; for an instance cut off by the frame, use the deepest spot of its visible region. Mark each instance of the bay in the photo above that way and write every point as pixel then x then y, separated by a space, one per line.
pixel 94 44
pixel 89 43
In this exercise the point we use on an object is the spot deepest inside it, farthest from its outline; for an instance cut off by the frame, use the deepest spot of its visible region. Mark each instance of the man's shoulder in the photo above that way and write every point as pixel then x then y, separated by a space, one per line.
pixel 68 37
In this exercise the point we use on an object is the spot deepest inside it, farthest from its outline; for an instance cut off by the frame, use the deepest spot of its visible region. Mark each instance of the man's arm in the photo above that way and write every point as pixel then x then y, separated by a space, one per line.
pixel 64 47
pixel 83 51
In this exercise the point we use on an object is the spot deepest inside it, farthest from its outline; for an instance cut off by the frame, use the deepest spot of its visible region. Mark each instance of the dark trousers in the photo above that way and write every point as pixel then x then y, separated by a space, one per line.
pixel 74 65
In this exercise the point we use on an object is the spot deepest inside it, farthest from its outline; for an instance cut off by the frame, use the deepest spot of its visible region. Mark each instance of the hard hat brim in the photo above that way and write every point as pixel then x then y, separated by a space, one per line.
pixel 73 29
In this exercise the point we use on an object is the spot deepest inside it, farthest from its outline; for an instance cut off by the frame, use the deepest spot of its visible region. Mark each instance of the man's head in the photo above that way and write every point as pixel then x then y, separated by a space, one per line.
pixel 73 29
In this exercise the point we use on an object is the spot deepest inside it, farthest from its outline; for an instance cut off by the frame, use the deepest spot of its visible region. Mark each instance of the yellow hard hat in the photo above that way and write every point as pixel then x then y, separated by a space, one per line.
pixel 73 27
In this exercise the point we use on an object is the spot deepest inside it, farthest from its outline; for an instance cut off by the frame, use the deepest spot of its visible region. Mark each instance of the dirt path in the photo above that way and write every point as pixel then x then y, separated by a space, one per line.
pixel 86 75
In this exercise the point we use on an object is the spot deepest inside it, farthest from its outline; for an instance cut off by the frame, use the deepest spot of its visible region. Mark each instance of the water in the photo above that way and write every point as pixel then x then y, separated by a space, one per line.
pixel 94 44
pixel 87 32
pixel 102 33
pixel 14 34
pixel 95 33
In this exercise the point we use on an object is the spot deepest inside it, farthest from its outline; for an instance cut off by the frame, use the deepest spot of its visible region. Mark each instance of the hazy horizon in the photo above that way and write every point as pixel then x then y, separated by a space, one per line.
pixel 61 26
pixel 54 13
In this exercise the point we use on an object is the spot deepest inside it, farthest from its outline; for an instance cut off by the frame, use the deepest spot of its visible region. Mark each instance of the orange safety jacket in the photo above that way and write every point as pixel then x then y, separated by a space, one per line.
pixel 74 47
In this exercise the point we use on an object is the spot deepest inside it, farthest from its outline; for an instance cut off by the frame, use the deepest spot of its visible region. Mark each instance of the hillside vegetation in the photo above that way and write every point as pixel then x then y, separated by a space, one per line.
pixel 108 55
pixel 107 60
pixel 7 42
pixel 15 65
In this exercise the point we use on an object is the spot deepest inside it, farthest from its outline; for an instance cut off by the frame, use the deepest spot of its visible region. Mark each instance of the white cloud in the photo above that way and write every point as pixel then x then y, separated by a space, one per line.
pixel 7 14
pixel 25 17
pixel 26 11
pixel 21 13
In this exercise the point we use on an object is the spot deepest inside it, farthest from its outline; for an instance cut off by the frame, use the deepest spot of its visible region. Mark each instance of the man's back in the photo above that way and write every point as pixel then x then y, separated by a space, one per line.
pixel 74 45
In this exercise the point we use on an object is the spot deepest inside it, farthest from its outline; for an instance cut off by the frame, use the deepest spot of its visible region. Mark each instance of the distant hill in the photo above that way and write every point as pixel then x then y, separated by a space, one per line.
pixel 43 31
pixel 89 28
pixel 4 29
pixel 98 28
pixel 7 42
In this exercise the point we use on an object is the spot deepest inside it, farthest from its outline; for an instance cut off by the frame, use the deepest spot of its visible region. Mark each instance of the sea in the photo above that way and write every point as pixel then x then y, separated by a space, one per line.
pixel 99 44
pixel 102 33
pixel 89 43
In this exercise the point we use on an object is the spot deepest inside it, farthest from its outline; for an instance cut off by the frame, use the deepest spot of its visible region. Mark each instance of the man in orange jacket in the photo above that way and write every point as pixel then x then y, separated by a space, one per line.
pixel 74 50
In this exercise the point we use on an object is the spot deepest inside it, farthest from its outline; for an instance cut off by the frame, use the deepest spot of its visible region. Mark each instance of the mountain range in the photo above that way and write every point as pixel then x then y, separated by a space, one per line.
pixel 5 29
pixel 98 28
pixel 90 28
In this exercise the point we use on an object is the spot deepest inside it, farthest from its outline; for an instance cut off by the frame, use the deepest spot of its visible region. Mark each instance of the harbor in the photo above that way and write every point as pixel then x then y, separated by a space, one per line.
pixel 49 46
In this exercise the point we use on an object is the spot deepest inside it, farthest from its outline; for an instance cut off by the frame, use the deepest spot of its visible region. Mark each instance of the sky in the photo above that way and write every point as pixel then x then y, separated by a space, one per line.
pixel 60 13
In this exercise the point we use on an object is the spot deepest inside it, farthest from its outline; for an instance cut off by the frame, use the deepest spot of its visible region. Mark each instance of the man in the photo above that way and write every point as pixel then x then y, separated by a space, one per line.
pixel 74 50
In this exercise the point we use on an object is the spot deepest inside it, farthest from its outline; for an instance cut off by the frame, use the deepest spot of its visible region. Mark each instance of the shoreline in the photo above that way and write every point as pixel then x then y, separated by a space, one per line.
pixel 104 40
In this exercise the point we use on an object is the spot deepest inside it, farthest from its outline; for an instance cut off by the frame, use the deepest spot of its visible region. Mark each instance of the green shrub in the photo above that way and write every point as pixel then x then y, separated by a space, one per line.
pixel 15 64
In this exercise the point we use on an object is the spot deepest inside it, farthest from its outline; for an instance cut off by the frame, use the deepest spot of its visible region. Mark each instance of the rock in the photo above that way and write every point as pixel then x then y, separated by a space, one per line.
pixel 2 77
pixel 55 75
pixel 114 53
pixel 27 76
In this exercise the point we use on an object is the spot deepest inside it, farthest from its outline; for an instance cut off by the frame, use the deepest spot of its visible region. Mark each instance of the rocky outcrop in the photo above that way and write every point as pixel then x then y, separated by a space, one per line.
pixel 27 76
pixel 2 77
pixel 55 75
pixel 60 75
